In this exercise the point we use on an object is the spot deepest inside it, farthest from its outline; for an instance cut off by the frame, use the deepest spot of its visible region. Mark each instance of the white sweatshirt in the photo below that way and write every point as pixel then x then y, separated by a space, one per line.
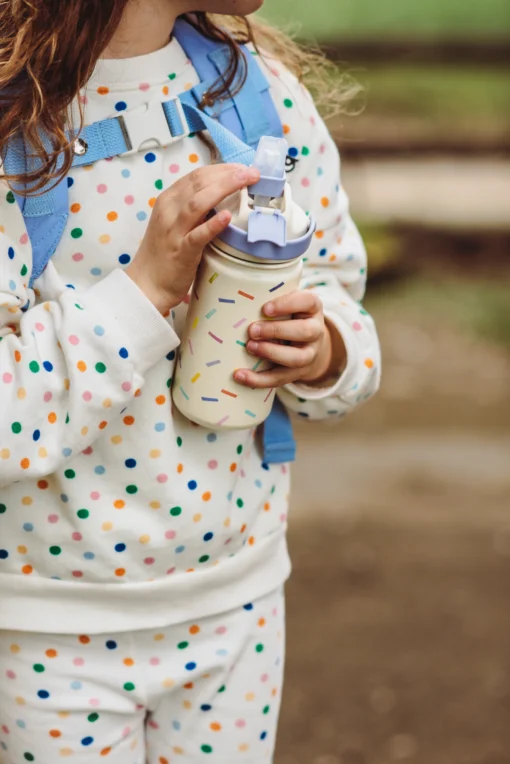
pixel 116 513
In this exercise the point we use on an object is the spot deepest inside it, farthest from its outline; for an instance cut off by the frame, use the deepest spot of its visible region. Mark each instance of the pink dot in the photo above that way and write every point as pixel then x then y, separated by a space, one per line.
pixel 5 729
pixel 154 661
pixel 95 495
pixel 23 239
pixel 170 535
pixel 174 168
pixel 102 188
pixel 312 120
pixel 73 339
pixel 78 662
pixel 305 182
pixel 283 517
pixel 47 397
pixel 77 574
pixel 129 199
pixel 87 451
pixel 78 257
pixel 126 732
pixel 11 675
pixel 221 630
pixel 264 677
pixel 322 149
pixel 144 86
pixel 284 469
pixel 126 386
pixel 162 478
pixel 83 99
pixel 357 326
pixel 39 327
pixel 212 464
pixel 275 611
pixel 77 536
pixel 87 396
pixel 240 723
pixel 152 724
pixel 170 571
pixel 242 473
pixel 53 518
pixel 94 702
pixel 7 378
pixel 228 541
pixel 149 561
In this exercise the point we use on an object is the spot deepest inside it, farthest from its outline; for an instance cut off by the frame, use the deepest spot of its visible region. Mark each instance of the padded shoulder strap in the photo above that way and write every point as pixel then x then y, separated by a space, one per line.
pixel 250 113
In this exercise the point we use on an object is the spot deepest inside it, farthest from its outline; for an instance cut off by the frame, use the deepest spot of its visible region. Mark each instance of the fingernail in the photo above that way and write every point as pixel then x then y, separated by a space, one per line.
pixel 252 346
pixel 241 175
pixel 224 217
pixel 269 309
pixel 256 331
pixel 240 376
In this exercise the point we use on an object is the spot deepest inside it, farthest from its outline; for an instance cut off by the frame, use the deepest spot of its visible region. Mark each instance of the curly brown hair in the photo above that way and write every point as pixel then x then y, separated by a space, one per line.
pixel 48 51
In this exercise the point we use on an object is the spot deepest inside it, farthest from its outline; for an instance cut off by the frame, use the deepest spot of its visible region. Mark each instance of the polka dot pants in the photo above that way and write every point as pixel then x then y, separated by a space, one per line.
pixel 207 691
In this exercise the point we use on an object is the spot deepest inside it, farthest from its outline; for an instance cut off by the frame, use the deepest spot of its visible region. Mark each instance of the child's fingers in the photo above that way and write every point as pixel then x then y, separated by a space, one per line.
pixel 297 330
pixel 201 236
pixel 263 379
pixel 304 302
pixel 284 355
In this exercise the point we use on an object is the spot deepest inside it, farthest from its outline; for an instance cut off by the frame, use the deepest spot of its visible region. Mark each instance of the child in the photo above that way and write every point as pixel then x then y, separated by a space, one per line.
pixel 142 558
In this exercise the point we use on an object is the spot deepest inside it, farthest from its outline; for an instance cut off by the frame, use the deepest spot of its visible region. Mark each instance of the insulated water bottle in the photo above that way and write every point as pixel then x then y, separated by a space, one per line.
pixel 259 256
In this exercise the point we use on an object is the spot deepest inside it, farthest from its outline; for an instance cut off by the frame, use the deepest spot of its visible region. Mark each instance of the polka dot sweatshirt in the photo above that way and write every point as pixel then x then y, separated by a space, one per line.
pixel 117 513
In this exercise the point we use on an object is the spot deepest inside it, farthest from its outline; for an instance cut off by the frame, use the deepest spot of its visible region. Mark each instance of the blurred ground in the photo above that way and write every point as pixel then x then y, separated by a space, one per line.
pixel 398 609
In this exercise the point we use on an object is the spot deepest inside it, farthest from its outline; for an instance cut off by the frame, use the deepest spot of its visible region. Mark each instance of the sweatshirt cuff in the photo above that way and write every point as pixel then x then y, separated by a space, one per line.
pixel 346 379
pixel 148 335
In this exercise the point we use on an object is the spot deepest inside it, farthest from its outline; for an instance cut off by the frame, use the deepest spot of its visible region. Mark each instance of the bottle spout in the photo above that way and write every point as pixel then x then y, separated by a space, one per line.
pixel 270 160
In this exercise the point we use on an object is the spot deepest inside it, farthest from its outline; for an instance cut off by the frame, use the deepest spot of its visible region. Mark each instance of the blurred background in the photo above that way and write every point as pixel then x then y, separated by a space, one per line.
pixel 399 606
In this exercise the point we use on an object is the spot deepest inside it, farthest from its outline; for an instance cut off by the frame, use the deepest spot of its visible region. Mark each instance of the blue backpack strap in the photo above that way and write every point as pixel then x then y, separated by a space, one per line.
pixel 279 443
pixel 250 113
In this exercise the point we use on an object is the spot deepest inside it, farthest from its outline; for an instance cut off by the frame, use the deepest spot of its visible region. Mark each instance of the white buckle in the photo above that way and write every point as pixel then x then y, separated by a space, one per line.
pixel 146 127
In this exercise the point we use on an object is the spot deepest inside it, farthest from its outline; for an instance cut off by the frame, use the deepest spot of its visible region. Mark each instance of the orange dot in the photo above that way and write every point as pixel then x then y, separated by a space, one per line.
pixel 325 201
pixel 75 207
pixel 193 158
pixel 233 467
pixel 83 639
pixel 82 366
pixel 162 760
pixel 112 216
pixel 128 662
pixel 152 201
pixel 194 629
pixel 17 356
pixel 267 506
pixel 180 468
pixel 160 400
pixel 286 129
pixel 262 622
pixel 138 393
pixel 15 649
pixel 55 733
pixel 188 686
pixel 42 484
pixel 332 258
pixel 243 528
pixel 251 540
pixel 102 90
pixel 369 363
pixel 206 496
pixel 120 572
pixel 165 90
pixel 319 234
pixel 215 726
pixel 27 569
pixel 51 653
pixel 119 504
pixel 25 463
pixel 129 420
pixel 106 751
pixel 52 417
pixel 103 424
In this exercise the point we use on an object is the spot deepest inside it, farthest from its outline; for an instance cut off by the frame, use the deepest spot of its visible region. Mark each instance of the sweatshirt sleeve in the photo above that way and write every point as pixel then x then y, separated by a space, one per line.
pixel 69 366
pixel 336 263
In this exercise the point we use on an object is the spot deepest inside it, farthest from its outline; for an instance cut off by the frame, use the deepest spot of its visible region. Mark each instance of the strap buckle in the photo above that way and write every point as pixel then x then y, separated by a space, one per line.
pixel 147 127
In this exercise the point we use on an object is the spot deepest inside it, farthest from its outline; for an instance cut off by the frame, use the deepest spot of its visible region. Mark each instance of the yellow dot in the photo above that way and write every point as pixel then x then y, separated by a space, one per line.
pixel 15 649
pixel 107 403
pixel 168 683
pixel 107 526
pixel 244 747
pixel 155 505
pixel 159 637
pixel 197 517
pixel 155 453
pixel 5 453
pixel 66 751
pixel 250 696
pixel 187 704
pixel 20 701
pixel 22 549
pixel 226 522
pixel 26 501
pixel 144 539
pixel 22 393
pixel 42 453
pixel 105 238
pixel 116 439
pixel 84 431
pixel 64 714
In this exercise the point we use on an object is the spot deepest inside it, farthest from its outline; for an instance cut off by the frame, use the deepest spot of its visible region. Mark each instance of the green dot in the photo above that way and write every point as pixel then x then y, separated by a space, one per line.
pixel 169 383
pixel 159 184
pixel 76 233
pixel 206 748
pixel 132 489
pixel 77 305
pixel 204 558
pixel 70 474
pixel 100 368
pixel 93 717
pixel 83 514
pixel 239 449
pixel 259 648
pixel 222 688
pixel 172 76
pixel 129 686
pixel 288 103
pixel 38 668
pixel 55 550
pixel 67 419
pixel 3 509
pixel 265 710
pixel 16 427
pixel 179 441
pixel 24 271
pixel 240 503
pixel 34 367
pixel 175 511
pixel 305 151
pixel 28 756
pixel 183 645
pixel 11 199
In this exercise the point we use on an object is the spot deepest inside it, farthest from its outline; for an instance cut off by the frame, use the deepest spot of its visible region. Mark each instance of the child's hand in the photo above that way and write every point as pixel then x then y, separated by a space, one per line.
pixel 314 353
pixel 169 255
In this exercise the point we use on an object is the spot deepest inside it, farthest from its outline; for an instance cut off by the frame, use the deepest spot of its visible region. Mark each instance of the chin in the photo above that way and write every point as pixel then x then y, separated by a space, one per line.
pixel 233 7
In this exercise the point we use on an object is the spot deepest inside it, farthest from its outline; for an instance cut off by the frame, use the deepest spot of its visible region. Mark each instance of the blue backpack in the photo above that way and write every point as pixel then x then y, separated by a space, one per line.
pixel 235 125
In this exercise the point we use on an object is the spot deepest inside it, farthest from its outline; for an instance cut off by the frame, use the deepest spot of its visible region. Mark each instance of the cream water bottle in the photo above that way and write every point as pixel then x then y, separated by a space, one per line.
pixel 259 256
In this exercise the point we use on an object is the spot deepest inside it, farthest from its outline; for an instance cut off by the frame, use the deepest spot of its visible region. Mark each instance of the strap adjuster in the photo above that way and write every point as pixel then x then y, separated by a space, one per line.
pixel 147 127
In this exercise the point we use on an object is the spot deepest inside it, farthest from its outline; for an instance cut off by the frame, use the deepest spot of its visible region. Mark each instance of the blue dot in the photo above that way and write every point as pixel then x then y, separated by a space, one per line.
pixel 43 694
pixel 76 685
pixel 67 452
pixel 126 173
pixel 293 152
pixel 320 172
pixel 208 536
pixel 171 355
pixel 28 527
pixel 11 253
pixel 159 426
pixel 192 485
pixel 111 644
pixel 229 496
pixel 99 331
pixel 4 554
pixel 120 547
pixel 70 286
pixel 176 725
pixel 150 157
pixel 121 105
pixel 99 470
pixel 64 497
pixel 130 463
pixel 211 437
pixel 191 666
pixel 124 259
pixel 95 271
pixel 21 724
pixel 123 353
pixel 87 741
pixel 323 252
pixel 141 215
pixel 48 366
pixel 263 735
pixel 36 435
pixel 222 652
pixel 264 466
pixel 89 555
pixel 70 181
pixel 258 483
pixel 12 285
pixel 205 707
pixel 180 549
pixel 249 606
